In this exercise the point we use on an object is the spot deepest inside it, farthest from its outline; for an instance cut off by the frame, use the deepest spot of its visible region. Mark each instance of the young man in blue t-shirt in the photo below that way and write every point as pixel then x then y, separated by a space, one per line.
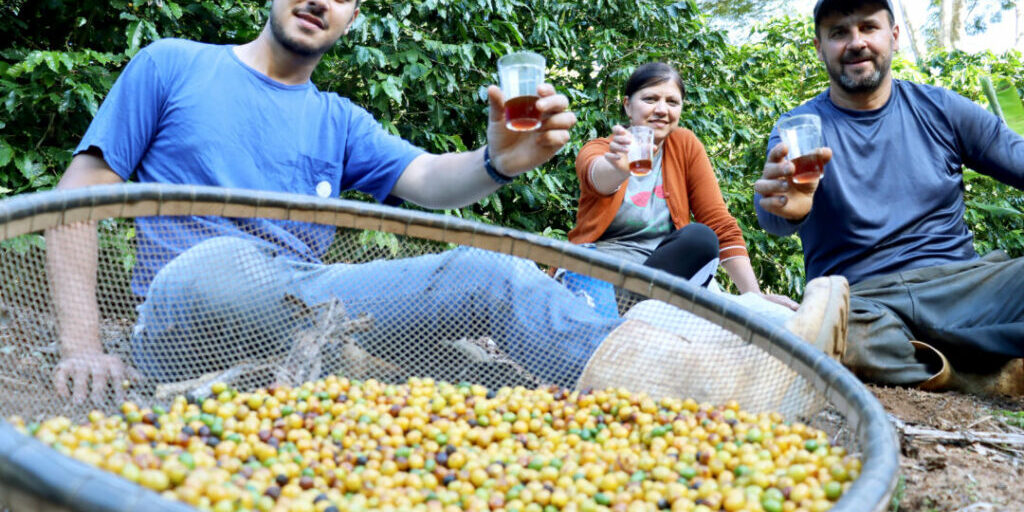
pixel 888 213
pixel 248 116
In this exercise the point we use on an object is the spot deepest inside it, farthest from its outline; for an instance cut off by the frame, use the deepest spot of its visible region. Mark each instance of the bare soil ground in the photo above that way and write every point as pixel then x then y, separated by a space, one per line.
pixel 957 453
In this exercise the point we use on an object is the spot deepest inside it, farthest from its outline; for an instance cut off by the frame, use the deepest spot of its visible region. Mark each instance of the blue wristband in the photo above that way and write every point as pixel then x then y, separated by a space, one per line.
pixel 498 177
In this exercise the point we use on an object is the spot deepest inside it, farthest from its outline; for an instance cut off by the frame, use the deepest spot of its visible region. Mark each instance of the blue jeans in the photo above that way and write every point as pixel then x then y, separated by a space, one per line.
pixel 228 300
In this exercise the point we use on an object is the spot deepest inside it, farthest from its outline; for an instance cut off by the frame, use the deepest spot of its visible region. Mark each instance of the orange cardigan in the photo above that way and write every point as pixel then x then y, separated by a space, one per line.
pixel 690 186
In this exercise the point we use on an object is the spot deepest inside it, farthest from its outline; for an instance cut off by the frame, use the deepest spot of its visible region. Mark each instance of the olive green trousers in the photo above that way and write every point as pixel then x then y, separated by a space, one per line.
pixel 972 312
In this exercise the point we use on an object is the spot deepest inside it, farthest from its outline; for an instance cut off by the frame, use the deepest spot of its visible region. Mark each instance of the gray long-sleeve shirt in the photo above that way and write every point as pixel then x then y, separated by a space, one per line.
pixel 891 198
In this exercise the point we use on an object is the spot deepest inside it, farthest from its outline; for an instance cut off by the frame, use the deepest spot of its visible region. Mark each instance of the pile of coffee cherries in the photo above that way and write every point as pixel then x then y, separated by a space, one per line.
pixel 345 445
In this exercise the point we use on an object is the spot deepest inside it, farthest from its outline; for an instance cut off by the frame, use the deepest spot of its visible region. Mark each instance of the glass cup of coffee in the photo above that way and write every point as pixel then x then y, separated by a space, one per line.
pixel 519 75
pixel 640 149
pixel 802 136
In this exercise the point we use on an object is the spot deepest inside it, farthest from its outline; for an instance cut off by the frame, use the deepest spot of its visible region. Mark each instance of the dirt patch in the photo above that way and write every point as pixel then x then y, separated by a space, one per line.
pixel 957 453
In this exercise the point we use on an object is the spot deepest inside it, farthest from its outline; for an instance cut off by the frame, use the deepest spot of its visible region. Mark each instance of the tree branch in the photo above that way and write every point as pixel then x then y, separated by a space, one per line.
pixel 46 132
pixel 965 436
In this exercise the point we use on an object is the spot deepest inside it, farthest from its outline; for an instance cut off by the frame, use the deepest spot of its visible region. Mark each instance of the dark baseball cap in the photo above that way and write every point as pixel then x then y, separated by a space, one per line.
pixel 823 7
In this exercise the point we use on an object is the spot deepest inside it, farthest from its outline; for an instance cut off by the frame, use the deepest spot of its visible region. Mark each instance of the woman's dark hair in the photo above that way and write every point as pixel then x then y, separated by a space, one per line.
pixel 653 73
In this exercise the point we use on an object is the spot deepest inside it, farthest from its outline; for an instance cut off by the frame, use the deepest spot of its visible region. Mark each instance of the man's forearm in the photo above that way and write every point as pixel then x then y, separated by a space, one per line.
pixel 450 180
pixel 71 255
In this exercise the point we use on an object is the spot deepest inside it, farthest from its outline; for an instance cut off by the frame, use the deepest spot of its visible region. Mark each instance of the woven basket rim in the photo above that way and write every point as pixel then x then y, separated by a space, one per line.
pixel 28 465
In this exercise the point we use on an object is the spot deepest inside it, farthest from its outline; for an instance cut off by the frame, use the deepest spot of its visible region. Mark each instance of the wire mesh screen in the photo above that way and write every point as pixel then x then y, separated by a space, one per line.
pixel 124 304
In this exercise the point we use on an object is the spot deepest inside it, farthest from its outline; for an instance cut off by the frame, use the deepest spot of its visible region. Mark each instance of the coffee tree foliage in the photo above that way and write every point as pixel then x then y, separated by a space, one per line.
pixel 421 66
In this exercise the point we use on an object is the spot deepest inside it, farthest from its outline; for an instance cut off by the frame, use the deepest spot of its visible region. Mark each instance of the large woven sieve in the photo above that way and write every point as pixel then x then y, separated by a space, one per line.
pixel 352 297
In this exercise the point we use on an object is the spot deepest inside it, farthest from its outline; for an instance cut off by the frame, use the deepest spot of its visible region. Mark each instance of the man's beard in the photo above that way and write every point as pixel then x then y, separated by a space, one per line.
pixel 862 84
pixel 293 45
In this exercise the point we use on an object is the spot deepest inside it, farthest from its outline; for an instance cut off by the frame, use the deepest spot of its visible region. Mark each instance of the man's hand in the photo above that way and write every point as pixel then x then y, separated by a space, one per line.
pixel 514 153
pixel 779 195
pixel 77 371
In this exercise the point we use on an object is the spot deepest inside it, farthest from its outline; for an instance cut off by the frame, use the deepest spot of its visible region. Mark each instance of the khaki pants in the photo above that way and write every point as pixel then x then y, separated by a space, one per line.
pixel 972 312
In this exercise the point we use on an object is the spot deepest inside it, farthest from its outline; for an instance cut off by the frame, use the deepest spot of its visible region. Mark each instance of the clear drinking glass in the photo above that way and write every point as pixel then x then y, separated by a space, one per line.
pixel 519 75
pixel 802 136
pixel 640 149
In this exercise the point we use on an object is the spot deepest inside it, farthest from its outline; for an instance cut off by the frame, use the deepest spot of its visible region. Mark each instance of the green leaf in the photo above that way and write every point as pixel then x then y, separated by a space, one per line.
pixel 52 61
pixel 29 168
pixel 995 209
pixel 171 10
pixel 370 55
pixel 1011 106
pixel 134 37
pixel 6 153
pixel 66 60
pixel 391 89
pixel 416 71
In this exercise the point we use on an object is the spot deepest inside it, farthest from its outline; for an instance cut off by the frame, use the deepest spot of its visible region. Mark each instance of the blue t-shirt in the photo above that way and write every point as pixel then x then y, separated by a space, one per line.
pixel 891 198
pixel 192 113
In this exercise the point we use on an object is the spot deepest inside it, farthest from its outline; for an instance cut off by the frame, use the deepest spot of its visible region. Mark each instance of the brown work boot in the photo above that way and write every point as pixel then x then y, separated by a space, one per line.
pixel 1007 381
pixel 822 316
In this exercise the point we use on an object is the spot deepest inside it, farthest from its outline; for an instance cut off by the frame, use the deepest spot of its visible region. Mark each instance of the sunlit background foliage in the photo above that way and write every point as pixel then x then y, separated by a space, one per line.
pixel 421 66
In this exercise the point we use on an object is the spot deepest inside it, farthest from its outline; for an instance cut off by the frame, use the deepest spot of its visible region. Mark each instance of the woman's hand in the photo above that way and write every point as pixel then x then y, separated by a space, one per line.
pixel 618 149
pixel 781 300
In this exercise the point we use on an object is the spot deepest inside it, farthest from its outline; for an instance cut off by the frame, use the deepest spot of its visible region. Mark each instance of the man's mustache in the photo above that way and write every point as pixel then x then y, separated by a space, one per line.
pixel 862 55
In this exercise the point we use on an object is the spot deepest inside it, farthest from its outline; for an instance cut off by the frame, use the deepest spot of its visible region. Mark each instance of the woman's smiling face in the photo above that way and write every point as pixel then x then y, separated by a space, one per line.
pixel 657 106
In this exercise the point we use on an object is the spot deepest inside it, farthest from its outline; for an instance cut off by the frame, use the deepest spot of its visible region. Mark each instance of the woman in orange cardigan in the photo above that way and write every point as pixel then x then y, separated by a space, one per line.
pixel 647 218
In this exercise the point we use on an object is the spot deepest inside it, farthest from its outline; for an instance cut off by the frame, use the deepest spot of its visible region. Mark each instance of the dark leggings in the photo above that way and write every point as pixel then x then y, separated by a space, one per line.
pixel 686 251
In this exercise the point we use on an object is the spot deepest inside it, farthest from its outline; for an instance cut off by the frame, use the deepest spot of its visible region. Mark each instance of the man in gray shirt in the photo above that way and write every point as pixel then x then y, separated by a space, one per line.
pixel 887 214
